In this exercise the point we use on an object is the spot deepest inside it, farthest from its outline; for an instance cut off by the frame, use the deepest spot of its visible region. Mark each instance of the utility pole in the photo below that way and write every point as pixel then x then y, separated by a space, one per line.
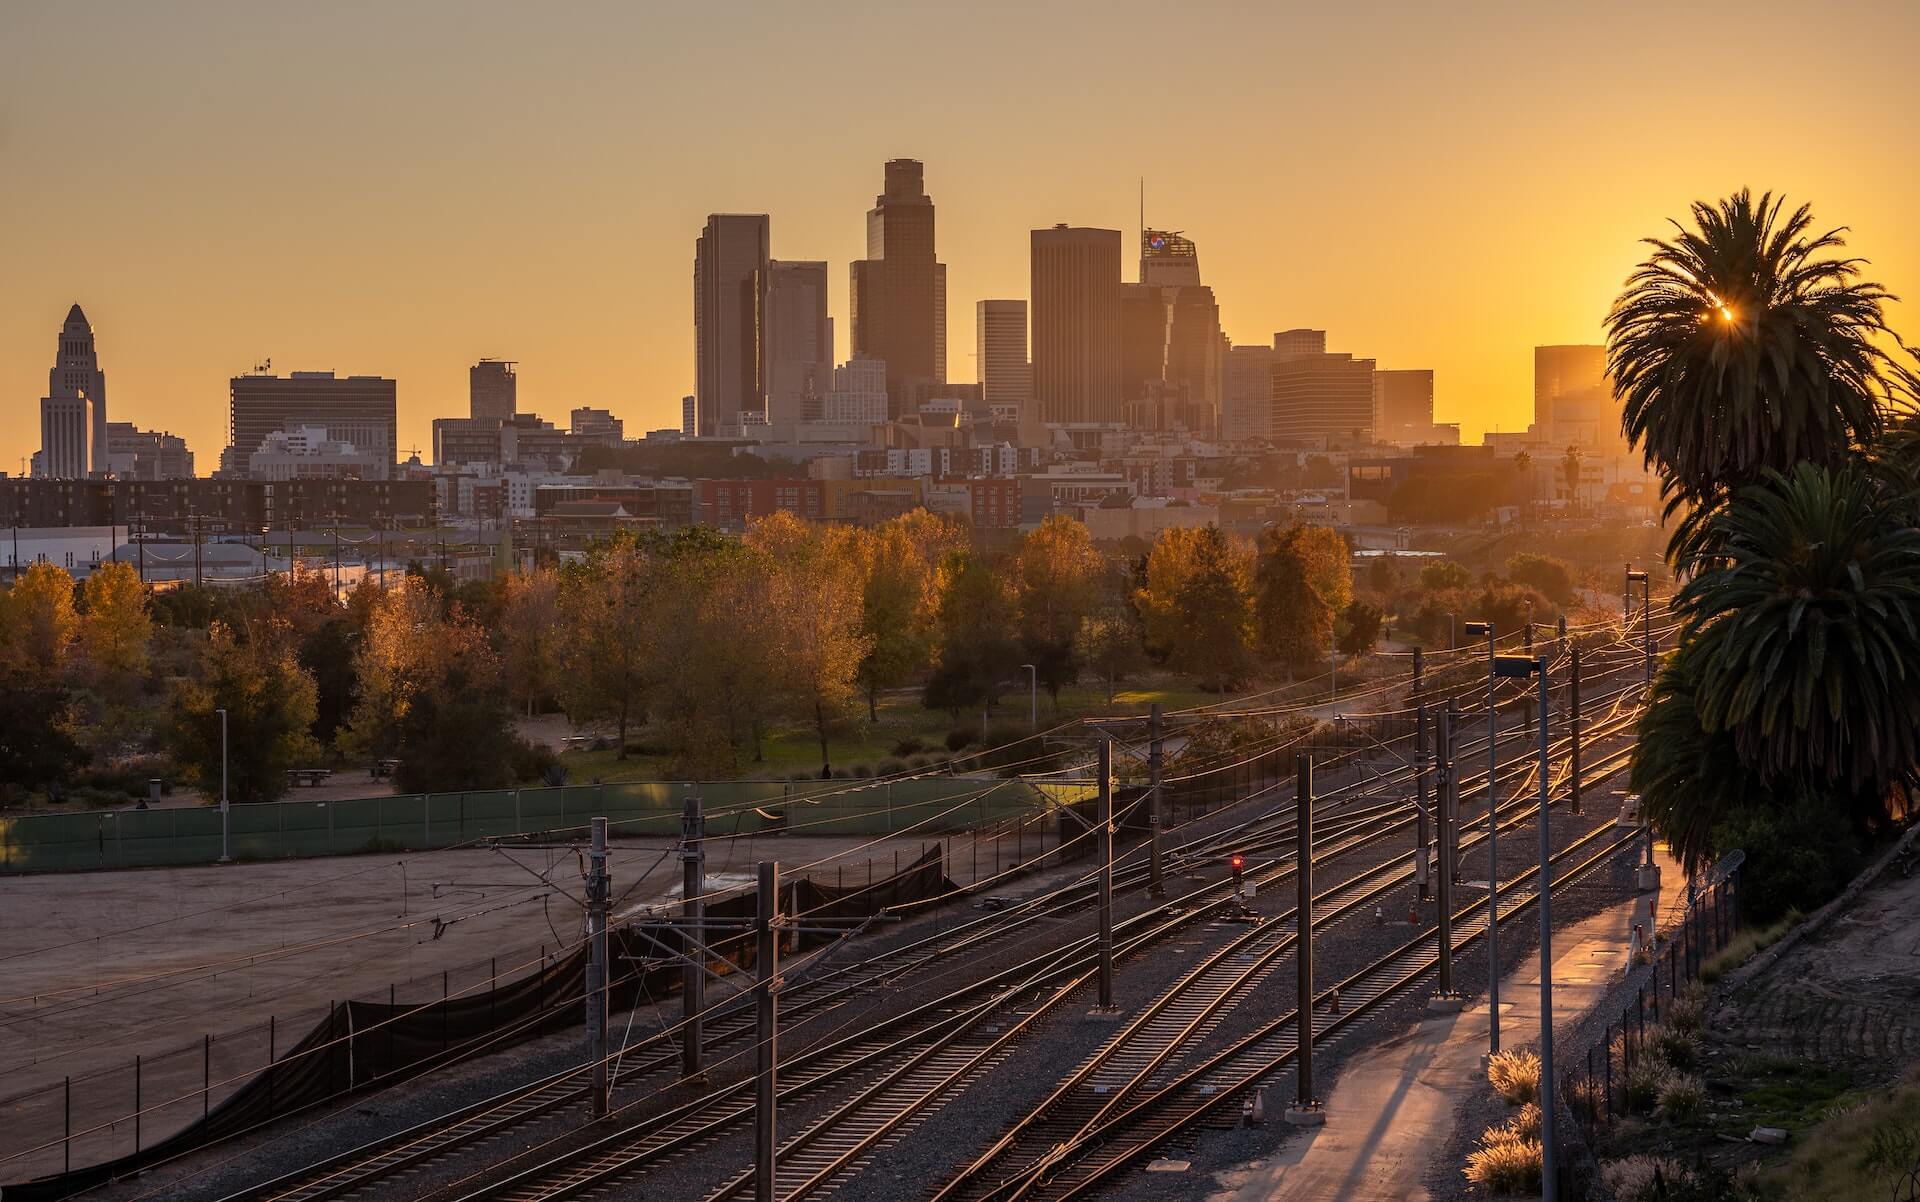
pixel 597 893
pixel 1493 849
pixel 1443 742
pixel 1418 665
pixel 1156 884
pixel 1106 874
pixel 1573 727
pixel 226 832
pixel 693 910
pixel 1306 1109
pixel 766 1028
pixel 1550 1189
pixel 1421 809
pixel 1452 799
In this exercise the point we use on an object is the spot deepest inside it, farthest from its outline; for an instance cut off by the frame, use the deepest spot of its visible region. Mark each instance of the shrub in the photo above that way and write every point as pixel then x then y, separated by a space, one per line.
pixel 1685 1013
pixel 1681 1095
pixel 531 761
pixel 1642 1085
pixel 1586 1099
pixel 1504 1163
pixel 863 771
pixel 892 767
pixel 1642 1178
pixel 1679 1049
pixel 1799 856
pixel 917 762
pixel 959 737
pixel 1515 1076
pixel 908 746
pixel 1745 946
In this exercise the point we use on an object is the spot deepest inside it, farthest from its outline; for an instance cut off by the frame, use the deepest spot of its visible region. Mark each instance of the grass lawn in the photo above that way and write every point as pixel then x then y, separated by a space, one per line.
pixel 791 750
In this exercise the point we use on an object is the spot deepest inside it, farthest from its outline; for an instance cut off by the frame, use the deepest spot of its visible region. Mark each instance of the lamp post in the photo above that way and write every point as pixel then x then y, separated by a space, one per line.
pixel 1520 668
pixel 1493 849
pixel 226 851
pixel 1033 696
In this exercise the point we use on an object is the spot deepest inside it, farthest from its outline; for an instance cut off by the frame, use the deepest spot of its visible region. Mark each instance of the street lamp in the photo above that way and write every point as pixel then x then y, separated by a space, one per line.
pixel 1520 668
pixel 1033 696
pixel 226 852
pixel 1493 849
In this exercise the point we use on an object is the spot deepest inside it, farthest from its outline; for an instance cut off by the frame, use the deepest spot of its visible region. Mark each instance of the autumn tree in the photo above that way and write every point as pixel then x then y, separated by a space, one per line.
pixel 900 560
pixel 114 625
pixel 1110 635
pixel 37 722
pixel 1197 604
pixel 1304 583
pixel 610 614
pixel 1056 580
pixel 813 599
pixel 38 620
pixel 528 636
pixel 977 649
pixel 269 704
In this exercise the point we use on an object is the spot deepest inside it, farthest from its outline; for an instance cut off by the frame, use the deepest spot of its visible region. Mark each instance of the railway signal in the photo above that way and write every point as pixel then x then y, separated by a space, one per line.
pixel 1238 863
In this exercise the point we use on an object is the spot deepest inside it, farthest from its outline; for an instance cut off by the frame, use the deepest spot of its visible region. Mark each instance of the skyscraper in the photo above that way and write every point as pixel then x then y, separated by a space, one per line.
pixel 493 390
pixel 1403 406
pixel 898 294
pixel 1000 342
pixel 1323 396
pixel 799 341
pixel 73 414
pixel 1246 411
pixel 1076 324
pixel 1291 344
pixel 730 281
pixel 1172 368
pixel 355 409
pixel 1573 401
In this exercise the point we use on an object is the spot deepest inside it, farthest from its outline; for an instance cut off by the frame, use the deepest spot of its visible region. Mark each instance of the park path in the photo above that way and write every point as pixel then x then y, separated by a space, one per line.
pixel 1392 1107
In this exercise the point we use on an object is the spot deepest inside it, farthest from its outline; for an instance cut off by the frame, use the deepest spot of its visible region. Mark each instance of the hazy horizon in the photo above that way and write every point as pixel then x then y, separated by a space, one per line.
pixel 401 191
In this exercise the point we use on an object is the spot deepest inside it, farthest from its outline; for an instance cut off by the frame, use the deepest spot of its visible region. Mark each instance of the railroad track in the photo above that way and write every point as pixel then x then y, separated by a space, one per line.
pixel 354 1172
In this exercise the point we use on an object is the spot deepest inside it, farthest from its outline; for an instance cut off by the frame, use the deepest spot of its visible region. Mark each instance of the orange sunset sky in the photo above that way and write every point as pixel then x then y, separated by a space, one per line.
pixel 400 188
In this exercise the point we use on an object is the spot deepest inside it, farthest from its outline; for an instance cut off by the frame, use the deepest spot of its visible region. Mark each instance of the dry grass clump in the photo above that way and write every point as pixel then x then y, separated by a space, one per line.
pixel 1515 1076
pixel 1681 1096
pixel 1505 1162
pixel 1642 1178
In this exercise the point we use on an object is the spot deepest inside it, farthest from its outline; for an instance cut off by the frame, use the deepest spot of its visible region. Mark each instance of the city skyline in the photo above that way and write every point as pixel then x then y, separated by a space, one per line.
pixel 423 249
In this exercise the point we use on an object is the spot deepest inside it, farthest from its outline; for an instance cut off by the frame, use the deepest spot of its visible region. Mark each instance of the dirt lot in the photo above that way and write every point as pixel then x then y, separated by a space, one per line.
pixel 97 967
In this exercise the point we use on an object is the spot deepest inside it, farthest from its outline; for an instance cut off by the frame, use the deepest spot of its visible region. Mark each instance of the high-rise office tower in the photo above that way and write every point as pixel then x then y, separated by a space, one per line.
pixel 1291 344
pixel 1000 342
pixel 1323 396
pixel 1173 368
pixel 356 409
pixel 799 341
pixel 75 383
pixel 898 293
pixel 1246 411
pixel 1573 401
pixel 730 280
pixel 1403 406
pixel 689 416
pixel 493 390
pixel 1076 324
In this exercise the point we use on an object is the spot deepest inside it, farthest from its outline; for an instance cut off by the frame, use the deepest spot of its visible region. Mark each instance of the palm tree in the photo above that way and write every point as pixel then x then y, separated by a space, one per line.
pixel 1689 778
pixel 1745 344
pixel 1803 632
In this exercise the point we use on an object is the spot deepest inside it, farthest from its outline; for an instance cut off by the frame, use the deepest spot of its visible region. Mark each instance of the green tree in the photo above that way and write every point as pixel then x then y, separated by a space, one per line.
pixel 1359 628
pixel 1551 578
pixel 1303 582
pixel 37 720
pixel 1057 575
pixel 527 633
pixel 899 561
pixel 1443 574
pixel 814 600
pixel 1743 344
pixel 1197 603
pixel 611 608
pixel 270 707
pixel 975 618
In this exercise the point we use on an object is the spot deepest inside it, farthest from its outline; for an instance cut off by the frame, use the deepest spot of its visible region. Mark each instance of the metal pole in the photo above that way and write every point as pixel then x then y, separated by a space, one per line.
pixel 1106 873
pixel 226 848
pixel 1493 861
pixel 1442 824
pixel 1421 808
pixel 1303 917
pixel 597 964
pixel 766 1019
pixel 1455 725
pixel 1156 884
pixel 693 888
pixel 1418 665
pixel 1573 731
pixel 1646 620
pixel 1550 1188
